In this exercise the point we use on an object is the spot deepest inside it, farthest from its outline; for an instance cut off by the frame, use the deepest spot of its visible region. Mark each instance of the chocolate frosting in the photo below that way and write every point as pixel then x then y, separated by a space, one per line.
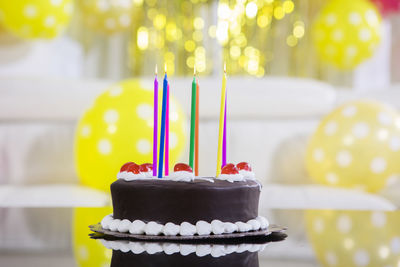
pixel 166 201
pixel 244 259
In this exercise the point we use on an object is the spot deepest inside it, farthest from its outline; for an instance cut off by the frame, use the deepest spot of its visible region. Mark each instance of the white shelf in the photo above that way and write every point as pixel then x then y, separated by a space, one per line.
pixel 51 196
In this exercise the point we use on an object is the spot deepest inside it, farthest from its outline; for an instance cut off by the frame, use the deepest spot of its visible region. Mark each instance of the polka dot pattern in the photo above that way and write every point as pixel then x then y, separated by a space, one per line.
pixel 119 128
pixel 360 130
pixel 346 36
pixel 111 116
pixel 318 154
pixel 88 252
pixel 395 143
pixel 332 178
pixel 344 158
pixel 378 165
pixel 331 128
pixel 331 258
pixel 144 146
pixel 145 111
pixel 378 219
pixel 357 145
pixel 85 131
pixel 361 258
pixel 352 238
pixel 104 147
pixel 344 224
pixel 36 19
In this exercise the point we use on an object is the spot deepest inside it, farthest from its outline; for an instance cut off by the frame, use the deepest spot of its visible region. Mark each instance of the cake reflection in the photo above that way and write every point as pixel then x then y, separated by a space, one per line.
pixel 239 253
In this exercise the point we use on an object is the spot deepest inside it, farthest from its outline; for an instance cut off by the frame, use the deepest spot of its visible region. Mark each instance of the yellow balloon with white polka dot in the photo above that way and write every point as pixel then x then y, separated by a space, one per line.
pixel 36 19
pixel 118 128
pixel 357 145
pixel 347 32
pixel 107 16
pixel 354 238
pixel 89 252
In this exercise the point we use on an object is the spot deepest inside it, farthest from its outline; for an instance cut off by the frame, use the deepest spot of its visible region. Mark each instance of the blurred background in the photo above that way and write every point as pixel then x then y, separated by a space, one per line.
pixel 313 98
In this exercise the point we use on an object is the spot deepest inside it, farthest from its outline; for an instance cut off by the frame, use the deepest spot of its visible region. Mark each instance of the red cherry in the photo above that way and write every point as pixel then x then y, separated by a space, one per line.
pixel 230 168
pixel 182 167
pixel 244 166
pixel 146 167
pixel 126 166
pixel 134 168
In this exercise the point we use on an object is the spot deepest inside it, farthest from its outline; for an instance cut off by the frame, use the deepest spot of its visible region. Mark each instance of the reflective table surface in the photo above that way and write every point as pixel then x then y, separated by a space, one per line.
pixel 60 237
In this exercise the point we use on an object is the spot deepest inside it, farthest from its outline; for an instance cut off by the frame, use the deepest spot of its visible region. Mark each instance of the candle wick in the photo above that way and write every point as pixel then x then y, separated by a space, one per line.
pixel 156 70
pixel 165 68
pixel 225 67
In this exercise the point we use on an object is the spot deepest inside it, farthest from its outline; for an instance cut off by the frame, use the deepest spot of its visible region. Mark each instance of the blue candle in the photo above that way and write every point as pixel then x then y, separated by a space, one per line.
pixel 163 117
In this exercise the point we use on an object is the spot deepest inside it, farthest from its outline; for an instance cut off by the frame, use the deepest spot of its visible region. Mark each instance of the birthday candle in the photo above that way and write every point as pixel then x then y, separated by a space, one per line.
pixel 163 118
pixel 167 136
pixel 196 145
pixel 224 137
pixel 155 124
pixel 221 123
pixel 192 120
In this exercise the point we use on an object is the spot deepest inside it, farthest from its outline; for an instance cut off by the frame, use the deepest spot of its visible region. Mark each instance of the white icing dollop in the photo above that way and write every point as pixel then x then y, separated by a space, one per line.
pixel 148 174
pixel 137 227
pixel 136 247
pixel 248 174
pixel 203 250
pixel 254 248
pixel 171 229
pixel 214 250
pixel 242 248
pixel 255 225
pixel 186 249
pixel 124 246
pixel 243 227
pixel 187 229
pixel 230 248
pixel 182 176
pixel 263 222
pixel 124 225
pixel 153 248
pixel 203 228
pixel 217 227
pixel 130 176
pixel 217 251
pixel 171 248
pixel 231 177
pixel 105 223
pixel 230 228
pixel 153 228
pixel 114 225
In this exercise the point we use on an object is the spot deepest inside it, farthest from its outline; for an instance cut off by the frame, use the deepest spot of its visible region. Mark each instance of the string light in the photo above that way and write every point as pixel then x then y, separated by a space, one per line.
pixel 242 30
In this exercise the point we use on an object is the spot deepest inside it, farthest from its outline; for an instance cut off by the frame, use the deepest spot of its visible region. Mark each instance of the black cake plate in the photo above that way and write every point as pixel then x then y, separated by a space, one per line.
pixel 272 229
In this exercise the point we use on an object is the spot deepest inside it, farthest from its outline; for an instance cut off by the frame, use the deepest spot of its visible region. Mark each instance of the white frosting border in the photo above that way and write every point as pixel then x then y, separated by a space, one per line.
pixel 184 176
pixel 216 227
pixel 201 250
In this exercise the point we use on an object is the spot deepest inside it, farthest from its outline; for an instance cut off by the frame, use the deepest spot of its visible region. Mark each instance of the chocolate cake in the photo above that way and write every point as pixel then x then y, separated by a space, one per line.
pixel 182 204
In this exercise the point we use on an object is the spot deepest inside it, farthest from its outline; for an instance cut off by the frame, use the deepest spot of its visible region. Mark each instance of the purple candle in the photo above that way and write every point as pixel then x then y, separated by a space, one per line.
pixel 155 125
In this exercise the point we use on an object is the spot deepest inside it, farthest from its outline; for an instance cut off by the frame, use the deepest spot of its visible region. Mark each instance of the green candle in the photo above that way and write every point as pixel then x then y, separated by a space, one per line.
pixel 192 121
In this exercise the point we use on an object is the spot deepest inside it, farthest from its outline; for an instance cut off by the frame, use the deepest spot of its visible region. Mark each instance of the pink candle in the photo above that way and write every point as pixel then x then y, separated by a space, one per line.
pixel 155 125
pixel 167 136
